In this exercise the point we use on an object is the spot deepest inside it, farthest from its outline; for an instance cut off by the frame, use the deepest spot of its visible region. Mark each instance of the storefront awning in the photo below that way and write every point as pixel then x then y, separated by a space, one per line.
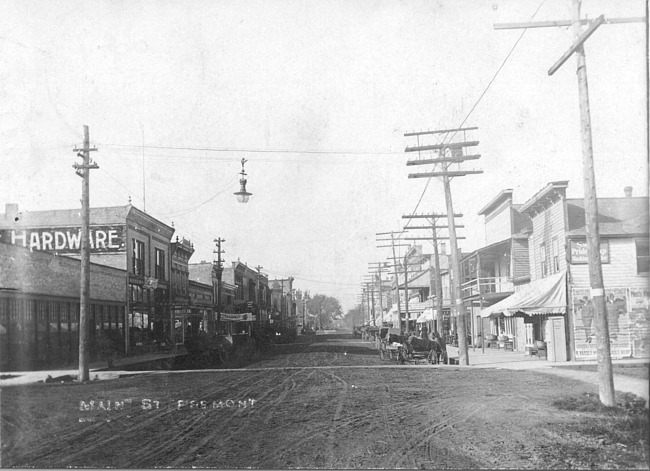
pixel 545 296
pixel 427 315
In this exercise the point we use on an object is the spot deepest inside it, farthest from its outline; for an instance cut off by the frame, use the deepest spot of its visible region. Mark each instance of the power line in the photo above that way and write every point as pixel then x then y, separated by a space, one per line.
pixel 254 150
pixel 483 94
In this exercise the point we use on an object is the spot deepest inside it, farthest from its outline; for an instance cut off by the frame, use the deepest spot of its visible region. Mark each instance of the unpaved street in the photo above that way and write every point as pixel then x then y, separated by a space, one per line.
pixel 326 402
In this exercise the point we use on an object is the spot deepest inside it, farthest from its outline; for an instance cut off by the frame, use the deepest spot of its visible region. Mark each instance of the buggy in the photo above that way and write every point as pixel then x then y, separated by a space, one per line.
pixel 208 351
pixel 416 350
pixel 390 343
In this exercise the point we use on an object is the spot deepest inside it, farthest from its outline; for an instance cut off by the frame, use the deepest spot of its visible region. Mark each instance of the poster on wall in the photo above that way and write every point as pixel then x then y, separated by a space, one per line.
pixel 584 325
pixel 639 324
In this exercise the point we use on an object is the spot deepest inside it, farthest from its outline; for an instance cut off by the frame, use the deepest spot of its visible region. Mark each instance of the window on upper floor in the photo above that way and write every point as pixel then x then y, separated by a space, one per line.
pixel 556 258
pixel 542 256
pixel 642 256
pixel 137 260
pixel 160 264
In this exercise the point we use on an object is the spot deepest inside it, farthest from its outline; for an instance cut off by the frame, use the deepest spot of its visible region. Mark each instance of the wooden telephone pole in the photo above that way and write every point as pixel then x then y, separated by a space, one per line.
pixel 436 287
pixel 83 170
pixel 444 155
pixel 379 266
pixel 393 245
pixel 259 308
pixel 605 376
pixel 219 270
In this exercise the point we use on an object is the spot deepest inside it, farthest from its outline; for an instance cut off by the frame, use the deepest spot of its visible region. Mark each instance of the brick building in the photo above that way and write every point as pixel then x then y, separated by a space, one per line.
pixel 39 309
pixel 122 237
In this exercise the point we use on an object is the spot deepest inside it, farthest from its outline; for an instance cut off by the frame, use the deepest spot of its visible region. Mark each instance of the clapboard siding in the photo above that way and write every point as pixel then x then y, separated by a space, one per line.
pixel 498 224
pixel 620 272
pixel 520 261
pixel 547 225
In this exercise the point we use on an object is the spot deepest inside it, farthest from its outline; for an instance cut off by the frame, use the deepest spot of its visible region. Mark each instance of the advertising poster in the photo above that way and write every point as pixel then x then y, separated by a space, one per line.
pixel 639 325
pixel 618 318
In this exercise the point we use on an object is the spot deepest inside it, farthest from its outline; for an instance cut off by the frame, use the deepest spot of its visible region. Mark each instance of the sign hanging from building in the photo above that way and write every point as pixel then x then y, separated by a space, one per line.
pixel 579 252
pixel 63 240
pixel 243 317
pixel 150 282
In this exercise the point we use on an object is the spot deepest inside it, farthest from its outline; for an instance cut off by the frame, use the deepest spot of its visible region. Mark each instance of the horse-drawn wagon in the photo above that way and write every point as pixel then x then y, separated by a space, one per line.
pixel 416 350
pixel 208 351
pixel 390 343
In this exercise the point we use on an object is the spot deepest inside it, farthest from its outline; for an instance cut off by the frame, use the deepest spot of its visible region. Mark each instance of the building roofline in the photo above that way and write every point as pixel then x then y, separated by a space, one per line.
pixel 546 192
pixel 498 199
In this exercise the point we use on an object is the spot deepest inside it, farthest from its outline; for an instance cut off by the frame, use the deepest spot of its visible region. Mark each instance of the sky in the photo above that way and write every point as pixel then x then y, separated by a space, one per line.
pixel 316 95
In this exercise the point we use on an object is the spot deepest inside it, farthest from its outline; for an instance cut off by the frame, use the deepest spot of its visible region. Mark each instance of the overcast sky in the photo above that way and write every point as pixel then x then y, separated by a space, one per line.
pixel 317 96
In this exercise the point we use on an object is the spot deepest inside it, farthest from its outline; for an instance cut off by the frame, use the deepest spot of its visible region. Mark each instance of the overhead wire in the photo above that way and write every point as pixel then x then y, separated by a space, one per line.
pixel 485 90
pixel 503 63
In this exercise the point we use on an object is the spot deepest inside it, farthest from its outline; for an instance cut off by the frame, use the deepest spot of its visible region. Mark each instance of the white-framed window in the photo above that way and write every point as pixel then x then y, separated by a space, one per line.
pixel 542 252
pixel 137 261
pixel 642 256
pixel 160 265
pixel 555 255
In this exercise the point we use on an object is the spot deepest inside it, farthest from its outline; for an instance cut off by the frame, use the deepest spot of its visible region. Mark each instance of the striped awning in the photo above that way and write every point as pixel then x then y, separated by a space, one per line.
pixel 540 297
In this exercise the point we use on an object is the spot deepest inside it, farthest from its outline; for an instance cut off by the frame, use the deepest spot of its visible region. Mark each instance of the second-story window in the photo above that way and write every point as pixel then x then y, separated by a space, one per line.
pixel 642 256
pixel 556 258
pixel 160 264
pixel 137 261
pixel 542 251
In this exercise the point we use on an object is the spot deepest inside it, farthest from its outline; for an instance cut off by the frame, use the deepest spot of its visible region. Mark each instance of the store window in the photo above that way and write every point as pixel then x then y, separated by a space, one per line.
pixel 160 265
pixel 137 261
pixel 642 256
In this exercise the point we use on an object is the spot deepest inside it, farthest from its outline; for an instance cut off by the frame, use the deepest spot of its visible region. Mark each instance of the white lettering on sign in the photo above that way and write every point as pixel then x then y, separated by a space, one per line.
pixel 34 241
pixel 74 240
pixel 67 240
pixel 22 235
pixel 47 240
pixel 59 240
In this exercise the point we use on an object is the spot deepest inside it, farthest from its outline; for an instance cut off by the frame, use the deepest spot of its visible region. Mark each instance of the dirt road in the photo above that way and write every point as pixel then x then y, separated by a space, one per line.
pixel 312 405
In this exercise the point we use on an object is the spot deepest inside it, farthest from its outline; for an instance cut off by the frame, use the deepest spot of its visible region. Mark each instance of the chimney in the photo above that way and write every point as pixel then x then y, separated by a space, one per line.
pixel 628 191
pixel 11 211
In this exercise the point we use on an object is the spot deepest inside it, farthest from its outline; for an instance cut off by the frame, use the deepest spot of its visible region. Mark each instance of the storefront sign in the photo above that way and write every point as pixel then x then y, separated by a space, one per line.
pixel 579 252
pixel 243 317
pixel 67 239
pixel 150 282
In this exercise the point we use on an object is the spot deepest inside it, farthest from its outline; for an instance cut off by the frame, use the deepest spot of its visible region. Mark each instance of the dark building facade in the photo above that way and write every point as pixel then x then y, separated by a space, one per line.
pixel 39 309
pixel 122 237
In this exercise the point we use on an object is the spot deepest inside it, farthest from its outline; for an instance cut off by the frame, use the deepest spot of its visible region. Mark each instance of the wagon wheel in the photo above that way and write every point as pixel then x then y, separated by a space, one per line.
pixel 224 355
pixel 401 356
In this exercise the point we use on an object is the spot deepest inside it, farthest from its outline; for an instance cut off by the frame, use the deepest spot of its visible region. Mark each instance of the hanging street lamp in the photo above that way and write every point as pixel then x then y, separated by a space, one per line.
pixel 242 194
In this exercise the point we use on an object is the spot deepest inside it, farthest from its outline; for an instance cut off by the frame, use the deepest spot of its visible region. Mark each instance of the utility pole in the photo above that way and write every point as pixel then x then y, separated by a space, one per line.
pixel 605 374
pixel 393 245
pixel 372 303
pixel 444 155
pixel 406 290
pixel 259 308
pixel 83 171
pixel 219 271
pixel 282 300
pixel 437 283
